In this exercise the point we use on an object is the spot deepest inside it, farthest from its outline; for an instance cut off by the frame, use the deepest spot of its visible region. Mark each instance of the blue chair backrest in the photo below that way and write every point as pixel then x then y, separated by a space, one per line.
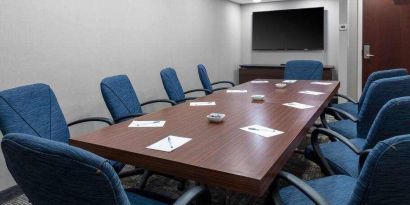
pixel 172 85
pixel 203 76
pixel 392 120
pixel 34 110
pixel 304 70
pixel 379 93
pixel 119 96
pixel 380 75
pixel 51 172
pixel 385 176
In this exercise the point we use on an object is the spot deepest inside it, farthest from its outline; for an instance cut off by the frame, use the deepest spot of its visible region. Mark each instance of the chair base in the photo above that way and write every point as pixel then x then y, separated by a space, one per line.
pixel 136 171
pixel 147 174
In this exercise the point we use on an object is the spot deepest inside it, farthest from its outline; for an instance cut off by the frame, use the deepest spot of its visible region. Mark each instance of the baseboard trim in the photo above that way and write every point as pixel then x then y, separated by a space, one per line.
pixel 10 193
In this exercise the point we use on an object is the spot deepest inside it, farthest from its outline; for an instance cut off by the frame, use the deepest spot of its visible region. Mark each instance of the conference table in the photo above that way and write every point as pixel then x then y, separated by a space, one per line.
pixel 220 154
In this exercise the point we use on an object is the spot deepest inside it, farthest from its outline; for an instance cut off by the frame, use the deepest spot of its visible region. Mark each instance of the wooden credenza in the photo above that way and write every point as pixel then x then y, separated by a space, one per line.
pixel 259 71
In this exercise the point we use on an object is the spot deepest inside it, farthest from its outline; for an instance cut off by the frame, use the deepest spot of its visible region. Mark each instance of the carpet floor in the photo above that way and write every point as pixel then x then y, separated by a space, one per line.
pixel 297 165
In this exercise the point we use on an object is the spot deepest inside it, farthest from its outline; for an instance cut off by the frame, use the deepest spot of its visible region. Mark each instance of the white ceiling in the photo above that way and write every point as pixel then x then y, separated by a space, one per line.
pixel 250 1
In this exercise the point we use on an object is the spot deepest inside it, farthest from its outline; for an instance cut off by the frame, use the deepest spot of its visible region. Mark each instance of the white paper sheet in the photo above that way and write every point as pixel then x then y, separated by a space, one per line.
pixel 262 131
pixel 202 104
pixel 236 91
pixel 321 83
pixel 259 81
pixel 147 124
pixel 298 105
pixel 309 92
pixel 169 144
pixel 289 81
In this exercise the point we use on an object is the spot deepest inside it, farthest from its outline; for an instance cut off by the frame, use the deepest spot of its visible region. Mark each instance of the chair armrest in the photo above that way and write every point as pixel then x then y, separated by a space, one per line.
pixel 331 134
pixel 323 119
pixel 342 113
pixel 92 119
pixel 224 82
pixel 363 157
pixel 191 195
pixel 198 90
pixel 125 118
pixel 190 98
pixel 186 99
pixel 159 101
pixel 338 112
pixel 301 185
pixel 222 88
pixel 346 98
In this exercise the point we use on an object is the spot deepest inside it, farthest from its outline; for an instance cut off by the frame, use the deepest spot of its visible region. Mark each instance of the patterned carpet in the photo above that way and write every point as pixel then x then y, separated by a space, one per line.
pixel 297 165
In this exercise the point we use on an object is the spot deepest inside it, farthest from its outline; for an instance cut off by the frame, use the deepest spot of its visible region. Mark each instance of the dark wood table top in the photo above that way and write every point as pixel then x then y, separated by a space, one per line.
pixel 219 154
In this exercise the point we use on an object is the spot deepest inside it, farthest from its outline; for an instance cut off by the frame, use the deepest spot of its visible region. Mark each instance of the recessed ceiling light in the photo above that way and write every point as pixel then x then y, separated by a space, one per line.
pixel 256 1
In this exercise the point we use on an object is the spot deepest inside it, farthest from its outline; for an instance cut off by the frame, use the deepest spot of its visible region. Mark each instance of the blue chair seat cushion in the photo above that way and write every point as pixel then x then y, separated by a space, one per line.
pixel 349 107
pixel 116 165
pixel 347 128
pixel 136 199
pixel 337 190
pixel 341 158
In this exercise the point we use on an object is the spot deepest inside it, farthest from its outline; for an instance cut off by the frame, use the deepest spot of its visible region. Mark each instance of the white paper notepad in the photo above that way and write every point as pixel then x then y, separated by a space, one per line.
pixel 147 124
pixel 290 81
pixel 298 105
pixel 202 104
pixel 309 92
pixel 262 131
pixel 169 144
pixel 259 81
pixel 236 91
pixel 321 83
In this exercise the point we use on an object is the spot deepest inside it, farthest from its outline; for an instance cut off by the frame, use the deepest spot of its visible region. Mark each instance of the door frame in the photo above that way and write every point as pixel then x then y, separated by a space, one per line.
pixel 359 47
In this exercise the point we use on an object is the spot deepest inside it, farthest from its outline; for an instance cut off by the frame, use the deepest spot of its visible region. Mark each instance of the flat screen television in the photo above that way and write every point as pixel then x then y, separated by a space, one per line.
pixel 296 29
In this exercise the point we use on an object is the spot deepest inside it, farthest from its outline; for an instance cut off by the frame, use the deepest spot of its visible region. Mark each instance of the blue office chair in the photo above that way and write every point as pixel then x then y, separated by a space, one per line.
pixel 51 172
pixel 173 86
pixel 304 70
pixel 34 110
pixel 383 180
pixel 206 83
pixel 123 104
pixel 378 94
pixel 351 106
pixel 121 100
pixel 342 156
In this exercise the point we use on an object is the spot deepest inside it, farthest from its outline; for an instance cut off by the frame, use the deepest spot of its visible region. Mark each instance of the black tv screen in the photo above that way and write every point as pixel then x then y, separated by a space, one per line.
pixel 297 29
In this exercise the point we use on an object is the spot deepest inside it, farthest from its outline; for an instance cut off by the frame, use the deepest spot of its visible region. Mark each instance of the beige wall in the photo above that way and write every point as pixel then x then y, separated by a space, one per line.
pixel 72 45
